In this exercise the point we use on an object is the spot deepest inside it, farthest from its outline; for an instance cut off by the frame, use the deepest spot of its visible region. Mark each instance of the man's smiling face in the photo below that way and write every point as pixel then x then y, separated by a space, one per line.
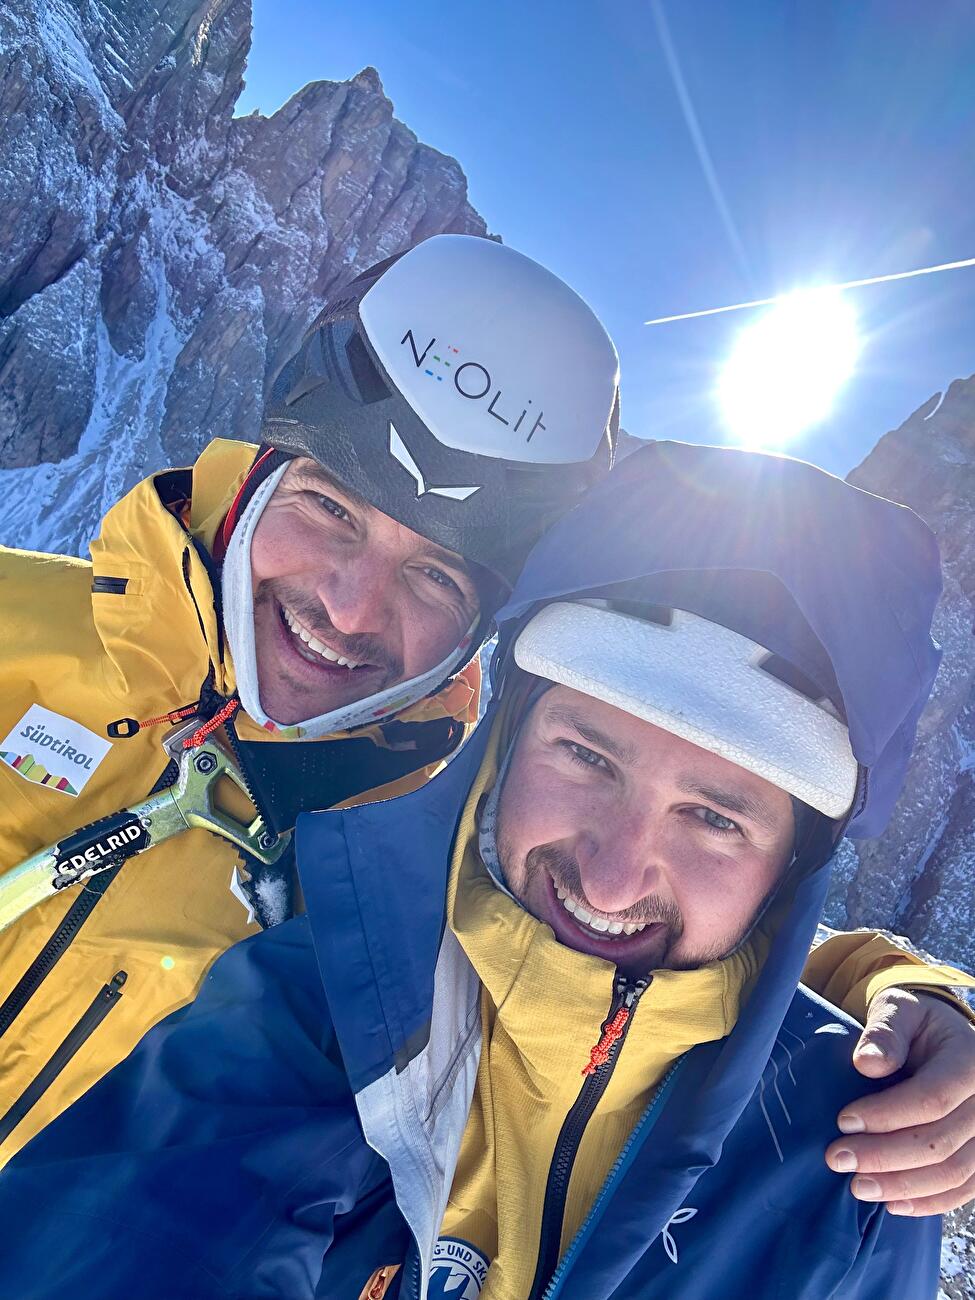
pixel 347 602
pixel 633 844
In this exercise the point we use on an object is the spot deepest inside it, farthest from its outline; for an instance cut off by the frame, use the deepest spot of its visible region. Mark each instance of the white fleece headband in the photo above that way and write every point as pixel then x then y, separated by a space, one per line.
pixel 702 682
pixel 238 614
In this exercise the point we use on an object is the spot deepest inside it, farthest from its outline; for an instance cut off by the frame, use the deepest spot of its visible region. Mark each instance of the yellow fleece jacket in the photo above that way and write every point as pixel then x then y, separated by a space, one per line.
pixel 542 1009
pixel 138 647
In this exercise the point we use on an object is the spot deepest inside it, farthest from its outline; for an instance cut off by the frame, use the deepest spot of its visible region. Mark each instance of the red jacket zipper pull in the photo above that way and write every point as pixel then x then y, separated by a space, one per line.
pixel 613 1031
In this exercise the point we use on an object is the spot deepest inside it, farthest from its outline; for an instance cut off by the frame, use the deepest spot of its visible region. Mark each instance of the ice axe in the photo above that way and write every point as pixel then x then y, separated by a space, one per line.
pixel 186 804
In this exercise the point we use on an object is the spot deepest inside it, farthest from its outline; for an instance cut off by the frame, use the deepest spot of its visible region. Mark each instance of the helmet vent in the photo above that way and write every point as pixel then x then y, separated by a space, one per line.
pixel 783 671
pixel 305 385
pixel 369 381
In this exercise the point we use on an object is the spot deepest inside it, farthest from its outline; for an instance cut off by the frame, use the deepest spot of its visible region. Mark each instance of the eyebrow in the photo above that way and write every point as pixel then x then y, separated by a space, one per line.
pixel 622 752
pixel 735 801
pixel 317 474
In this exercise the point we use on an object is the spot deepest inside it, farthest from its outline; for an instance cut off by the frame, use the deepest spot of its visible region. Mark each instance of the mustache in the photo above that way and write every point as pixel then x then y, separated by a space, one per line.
pixel 361 646
pixel 564 870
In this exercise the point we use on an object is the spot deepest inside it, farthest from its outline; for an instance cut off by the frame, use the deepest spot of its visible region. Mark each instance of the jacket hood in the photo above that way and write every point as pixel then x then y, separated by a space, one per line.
pixel 840 583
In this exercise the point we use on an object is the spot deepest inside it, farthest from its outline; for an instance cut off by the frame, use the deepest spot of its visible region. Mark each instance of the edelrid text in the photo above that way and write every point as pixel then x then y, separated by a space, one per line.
pixel 101 849
pixel 473 381
pixel 45 740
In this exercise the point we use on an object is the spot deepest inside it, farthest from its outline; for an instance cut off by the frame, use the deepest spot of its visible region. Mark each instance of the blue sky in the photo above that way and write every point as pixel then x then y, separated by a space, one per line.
pixel 839 134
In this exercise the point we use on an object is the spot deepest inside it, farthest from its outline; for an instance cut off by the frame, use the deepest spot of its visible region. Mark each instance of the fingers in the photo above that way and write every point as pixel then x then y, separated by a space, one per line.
pixel 928 1096
pixel 910 1148
pixel 893 1020
pixel 947 1185
pixel 940 1204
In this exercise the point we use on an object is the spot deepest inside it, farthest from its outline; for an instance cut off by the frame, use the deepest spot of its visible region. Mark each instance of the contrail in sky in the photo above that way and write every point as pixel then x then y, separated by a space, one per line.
pixel 697 135
pixel 849 284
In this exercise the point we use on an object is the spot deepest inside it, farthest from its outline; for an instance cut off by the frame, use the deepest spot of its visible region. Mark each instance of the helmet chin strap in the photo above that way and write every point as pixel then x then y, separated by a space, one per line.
pixel 238 606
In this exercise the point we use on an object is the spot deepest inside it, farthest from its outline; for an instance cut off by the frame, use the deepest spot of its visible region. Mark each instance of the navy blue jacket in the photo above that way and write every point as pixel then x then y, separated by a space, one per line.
pixel 236 1152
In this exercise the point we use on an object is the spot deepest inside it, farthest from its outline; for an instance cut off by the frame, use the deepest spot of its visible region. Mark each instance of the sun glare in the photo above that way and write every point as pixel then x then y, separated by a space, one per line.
pixel 785 371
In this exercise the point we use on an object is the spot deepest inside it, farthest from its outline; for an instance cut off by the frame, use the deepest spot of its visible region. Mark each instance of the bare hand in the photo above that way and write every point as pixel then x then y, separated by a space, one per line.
pixel 915 1143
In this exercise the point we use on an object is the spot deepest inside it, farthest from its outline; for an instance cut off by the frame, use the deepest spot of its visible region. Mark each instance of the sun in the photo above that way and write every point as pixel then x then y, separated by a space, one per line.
pixel 786 370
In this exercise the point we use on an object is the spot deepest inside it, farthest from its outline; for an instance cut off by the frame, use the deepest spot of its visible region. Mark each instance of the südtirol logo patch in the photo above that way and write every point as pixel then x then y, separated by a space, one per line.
pixel 458 1272
pixel 53 751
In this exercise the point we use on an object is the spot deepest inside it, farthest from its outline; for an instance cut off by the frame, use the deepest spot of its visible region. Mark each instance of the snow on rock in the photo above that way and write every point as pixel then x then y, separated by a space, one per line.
pixel 919 876
pixel 159 257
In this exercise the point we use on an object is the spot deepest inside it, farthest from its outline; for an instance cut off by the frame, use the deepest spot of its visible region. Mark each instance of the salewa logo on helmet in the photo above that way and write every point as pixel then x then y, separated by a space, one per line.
pixel 471 379
pixel 399 451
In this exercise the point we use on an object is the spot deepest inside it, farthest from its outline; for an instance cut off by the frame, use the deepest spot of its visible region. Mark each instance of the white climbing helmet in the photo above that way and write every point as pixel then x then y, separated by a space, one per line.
pixel 461 389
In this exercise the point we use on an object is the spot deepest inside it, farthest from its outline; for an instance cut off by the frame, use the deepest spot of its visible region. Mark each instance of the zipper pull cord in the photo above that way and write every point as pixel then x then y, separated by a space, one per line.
pixel 613 1031
pixel 126 728
pixel 614 1028
pixel 218 719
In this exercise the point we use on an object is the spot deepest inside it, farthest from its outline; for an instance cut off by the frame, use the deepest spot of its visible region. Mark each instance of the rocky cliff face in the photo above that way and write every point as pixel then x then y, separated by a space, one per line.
pixel 159 256
pixel 919 877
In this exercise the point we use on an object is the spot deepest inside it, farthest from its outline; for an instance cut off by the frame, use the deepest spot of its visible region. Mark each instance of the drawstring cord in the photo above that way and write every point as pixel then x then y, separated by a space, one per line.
pixel 177 715
pixel 126 728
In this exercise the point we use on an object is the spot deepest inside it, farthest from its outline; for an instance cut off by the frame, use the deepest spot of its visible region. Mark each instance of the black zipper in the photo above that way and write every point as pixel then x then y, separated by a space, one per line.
pixel 100 1007
pixel 626 992
pixel 66 931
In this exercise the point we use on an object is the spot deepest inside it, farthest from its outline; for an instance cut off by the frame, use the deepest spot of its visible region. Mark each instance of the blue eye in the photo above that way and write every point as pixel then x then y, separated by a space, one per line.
pixel 333 507
pixel 717 822
pixel 440 578
pixel 583 756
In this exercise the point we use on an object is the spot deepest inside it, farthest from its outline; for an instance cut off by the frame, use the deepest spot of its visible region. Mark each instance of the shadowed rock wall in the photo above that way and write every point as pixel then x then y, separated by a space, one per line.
pixel 158 257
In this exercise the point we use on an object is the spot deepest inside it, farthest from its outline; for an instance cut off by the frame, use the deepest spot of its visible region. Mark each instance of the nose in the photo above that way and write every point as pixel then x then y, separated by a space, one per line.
pixel 358 593
pixel 622 861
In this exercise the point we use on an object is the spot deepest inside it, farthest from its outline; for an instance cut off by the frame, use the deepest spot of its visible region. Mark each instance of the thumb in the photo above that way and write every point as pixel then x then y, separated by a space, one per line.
pixel 887 1036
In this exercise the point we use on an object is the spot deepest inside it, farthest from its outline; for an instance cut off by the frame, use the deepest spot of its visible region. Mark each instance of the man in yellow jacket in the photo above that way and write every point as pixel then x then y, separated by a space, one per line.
pixel 316 607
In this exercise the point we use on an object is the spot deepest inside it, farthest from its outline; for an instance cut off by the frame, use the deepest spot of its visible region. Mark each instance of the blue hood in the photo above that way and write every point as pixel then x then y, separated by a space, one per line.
pixel 776 549
pixel 859 571
pixel 841 583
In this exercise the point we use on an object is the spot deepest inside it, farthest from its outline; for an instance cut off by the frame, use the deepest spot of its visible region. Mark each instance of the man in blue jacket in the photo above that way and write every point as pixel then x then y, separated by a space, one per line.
pixel 596 1074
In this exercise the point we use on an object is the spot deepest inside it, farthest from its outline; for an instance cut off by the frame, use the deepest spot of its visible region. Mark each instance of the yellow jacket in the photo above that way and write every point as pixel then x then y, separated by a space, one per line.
pixel 89 651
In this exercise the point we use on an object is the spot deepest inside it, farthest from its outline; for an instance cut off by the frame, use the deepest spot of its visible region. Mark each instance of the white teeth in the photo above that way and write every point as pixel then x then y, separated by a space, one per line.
pixel 313 643
pixel 596 923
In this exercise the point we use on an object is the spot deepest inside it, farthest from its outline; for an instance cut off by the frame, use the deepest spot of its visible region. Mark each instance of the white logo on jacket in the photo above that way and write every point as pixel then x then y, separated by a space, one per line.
pixel 53 751
pixel 670 1245
pixel 458 1271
